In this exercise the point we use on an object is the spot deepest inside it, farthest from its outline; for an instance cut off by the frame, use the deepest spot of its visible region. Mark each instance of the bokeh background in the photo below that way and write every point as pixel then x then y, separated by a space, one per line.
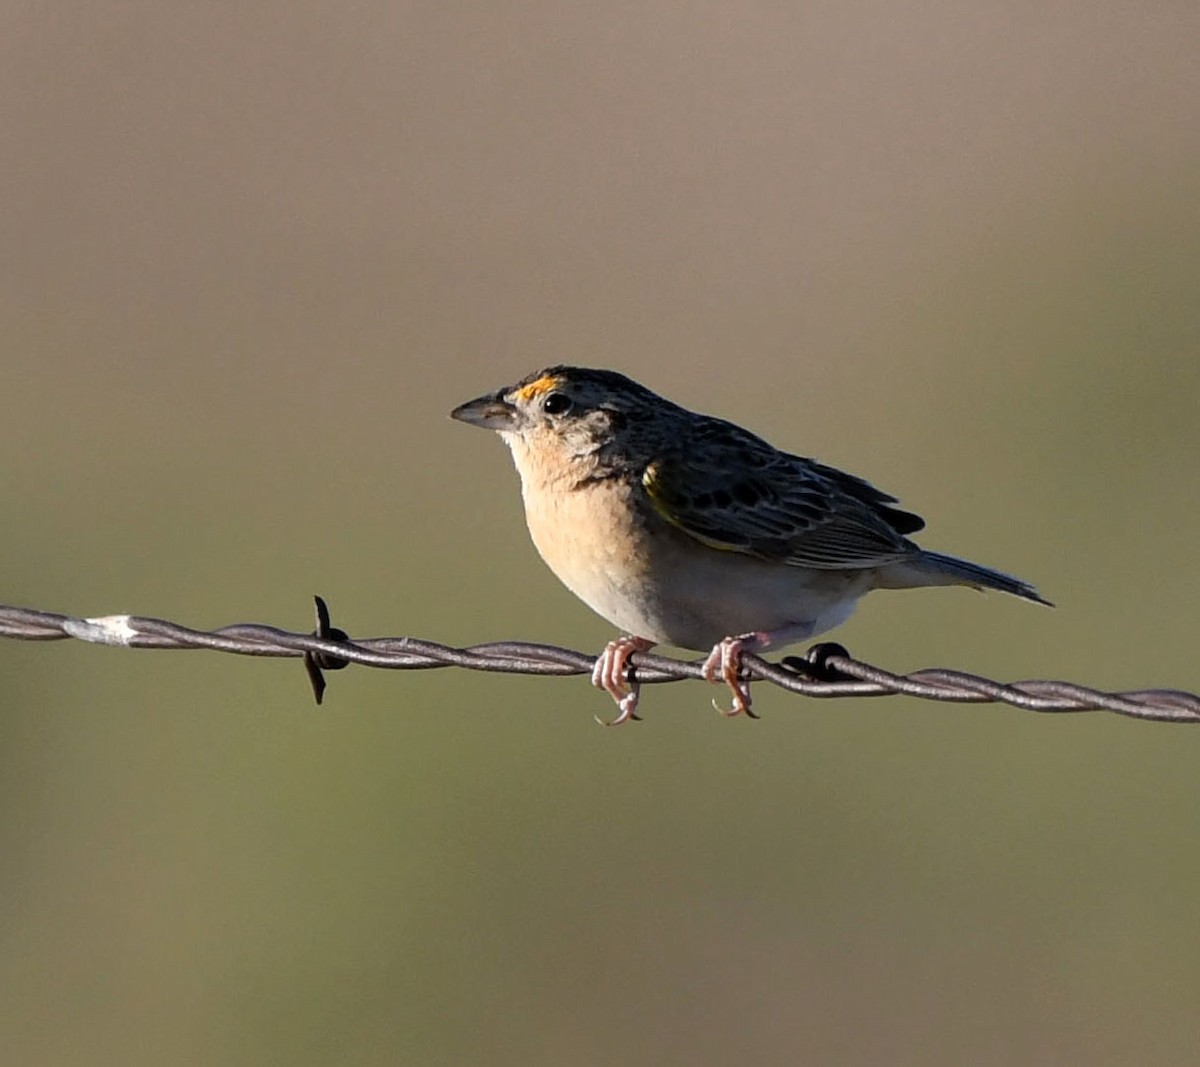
pixel 253 253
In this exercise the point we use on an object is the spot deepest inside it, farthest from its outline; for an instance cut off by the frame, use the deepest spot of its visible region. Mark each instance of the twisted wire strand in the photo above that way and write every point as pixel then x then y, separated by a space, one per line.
pixel 826 671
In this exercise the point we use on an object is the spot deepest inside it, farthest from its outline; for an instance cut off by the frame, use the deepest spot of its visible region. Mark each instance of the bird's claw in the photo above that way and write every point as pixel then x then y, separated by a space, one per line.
pixel 628 709
pixel 724 665
pixel 611 673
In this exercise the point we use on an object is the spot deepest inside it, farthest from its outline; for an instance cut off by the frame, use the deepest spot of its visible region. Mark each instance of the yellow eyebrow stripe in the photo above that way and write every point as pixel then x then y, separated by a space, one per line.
pixel 533 389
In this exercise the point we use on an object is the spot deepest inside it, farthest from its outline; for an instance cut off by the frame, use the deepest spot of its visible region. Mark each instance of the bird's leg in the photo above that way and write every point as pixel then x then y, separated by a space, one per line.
pixel 724 664
pixel 611 674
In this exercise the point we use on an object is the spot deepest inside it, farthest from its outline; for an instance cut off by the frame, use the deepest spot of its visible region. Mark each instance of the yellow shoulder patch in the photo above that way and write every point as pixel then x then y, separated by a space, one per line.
pixel 652 482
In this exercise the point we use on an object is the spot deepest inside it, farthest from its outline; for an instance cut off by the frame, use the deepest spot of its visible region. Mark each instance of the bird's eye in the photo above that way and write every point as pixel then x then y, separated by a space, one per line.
pixel 557 404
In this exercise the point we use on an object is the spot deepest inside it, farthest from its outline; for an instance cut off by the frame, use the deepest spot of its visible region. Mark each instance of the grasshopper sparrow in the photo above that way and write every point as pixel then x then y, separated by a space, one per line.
pixel 685 529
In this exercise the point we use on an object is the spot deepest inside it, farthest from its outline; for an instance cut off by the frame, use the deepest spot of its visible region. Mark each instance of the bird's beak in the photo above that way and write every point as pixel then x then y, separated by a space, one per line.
pixel 492 412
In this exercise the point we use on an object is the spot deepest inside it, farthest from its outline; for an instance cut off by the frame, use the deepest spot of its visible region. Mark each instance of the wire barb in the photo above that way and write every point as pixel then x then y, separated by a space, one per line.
pixel 826 670
pixel 316 663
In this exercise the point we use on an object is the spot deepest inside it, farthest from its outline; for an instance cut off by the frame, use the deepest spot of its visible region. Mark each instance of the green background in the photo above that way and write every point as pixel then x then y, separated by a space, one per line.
pixel 253 254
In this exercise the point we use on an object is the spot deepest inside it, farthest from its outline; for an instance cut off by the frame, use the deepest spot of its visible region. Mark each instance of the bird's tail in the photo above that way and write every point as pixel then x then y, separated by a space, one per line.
pixel 933 568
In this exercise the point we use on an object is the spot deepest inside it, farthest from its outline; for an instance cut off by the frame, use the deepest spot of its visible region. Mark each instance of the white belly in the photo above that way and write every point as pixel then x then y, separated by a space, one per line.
pixel 654 581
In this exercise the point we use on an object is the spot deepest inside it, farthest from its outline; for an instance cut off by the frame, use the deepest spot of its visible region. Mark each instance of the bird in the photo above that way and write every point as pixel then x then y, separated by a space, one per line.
pixel 687 530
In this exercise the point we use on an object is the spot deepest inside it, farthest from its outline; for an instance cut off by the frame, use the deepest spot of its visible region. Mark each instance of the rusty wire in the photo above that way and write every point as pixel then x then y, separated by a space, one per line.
pixel 827 670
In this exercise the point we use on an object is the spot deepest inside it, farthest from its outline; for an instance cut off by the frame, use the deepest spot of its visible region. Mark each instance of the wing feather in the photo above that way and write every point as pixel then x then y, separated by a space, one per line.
pixel 732 491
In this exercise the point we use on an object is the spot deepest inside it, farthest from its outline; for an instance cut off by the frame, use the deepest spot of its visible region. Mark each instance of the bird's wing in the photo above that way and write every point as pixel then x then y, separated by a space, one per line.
pixel 732 491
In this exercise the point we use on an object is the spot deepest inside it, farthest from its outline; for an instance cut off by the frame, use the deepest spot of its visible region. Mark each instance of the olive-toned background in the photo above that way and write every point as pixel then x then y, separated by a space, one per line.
pixel 252 254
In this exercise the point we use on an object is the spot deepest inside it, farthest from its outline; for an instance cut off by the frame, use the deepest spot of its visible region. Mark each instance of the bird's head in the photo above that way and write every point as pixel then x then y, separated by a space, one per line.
pixel 564 416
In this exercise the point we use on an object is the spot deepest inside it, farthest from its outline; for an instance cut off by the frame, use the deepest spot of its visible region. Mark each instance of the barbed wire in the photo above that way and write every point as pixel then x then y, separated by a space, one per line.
pixel 826 670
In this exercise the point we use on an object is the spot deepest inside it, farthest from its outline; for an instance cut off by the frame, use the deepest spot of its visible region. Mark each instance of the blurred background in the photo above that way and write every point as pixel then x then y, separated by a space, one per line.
pixel 253 254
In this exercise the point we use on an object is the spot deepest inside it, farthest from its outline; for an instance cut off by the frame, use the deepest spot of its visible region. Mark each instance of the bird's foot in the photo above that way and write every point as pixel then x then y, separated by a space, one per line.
pixel 724 665
pixel 611 673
